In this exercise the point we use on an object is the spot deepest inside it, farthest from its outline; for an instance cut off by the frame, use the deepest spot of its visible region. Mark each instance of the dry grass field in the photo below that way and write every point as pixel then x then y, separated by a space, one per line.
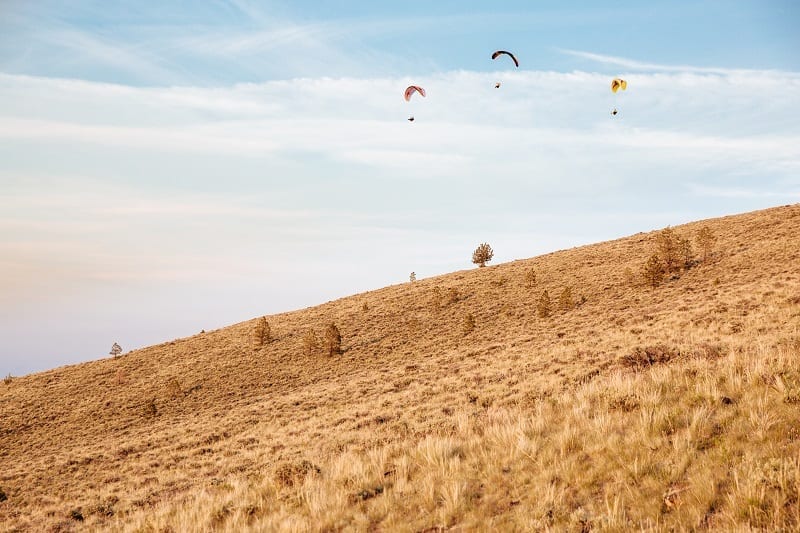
pixel 632 407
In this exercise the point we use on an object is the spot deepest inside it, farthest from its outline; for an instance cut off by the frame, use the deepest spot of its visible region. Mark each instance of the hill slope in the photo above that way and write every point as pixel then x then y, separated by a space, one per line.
pixel 669 407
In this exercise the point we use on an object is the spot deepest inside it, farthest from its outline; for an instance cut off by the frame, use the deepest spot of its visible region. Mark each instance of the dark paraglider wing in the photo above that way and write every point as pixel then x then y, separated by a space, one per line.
pixel 509 54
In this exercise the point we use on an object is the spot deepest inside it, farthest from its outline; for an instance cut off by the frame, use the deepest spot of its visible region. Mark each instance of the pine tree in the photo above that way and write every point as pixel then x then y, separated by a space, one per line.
pixel 653 271
pixel 543 306
pixel 565 301
pixel 705 240
pixel 262 334
pixel 668 249
pixel 310 342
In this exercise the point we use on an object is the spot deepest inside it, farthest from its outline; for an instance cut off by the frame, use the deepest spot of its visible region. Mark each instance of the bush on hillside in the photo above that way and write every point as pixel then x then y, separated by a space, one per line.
pixel 482 254
pixel 667 248
pixel 174 389
pixel 333 340
pixel 543 305
pixel 436 299
pixel 565 300
pixel 653 271
pixel 452 295
pixel 290 474
pixel 8 379
pixel 705 240
pixel 310 342
pixel 674 252
pixel 643 357
pixel 262 334
pixel 685 253
pixel 530 278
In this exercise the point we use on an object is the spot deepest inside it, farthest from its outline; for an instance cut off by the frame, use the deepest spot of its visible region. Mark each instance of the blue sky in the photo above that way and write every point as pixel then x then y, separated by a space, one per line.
pixel 169 167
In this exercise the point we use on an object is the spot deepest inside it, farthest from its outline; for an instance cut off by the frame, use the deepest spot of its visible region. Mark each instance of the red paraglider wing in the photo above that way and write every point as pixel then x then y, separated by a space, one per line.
pixel 410 90
pixel 500 52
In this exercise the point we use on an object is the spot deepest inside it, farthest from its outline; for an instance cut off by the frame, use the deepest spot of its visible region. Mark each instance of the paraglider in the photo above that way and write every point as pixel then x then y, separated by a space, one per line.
pixel 509 54
pixel 616 85
pixel 410 90
pixel 497 54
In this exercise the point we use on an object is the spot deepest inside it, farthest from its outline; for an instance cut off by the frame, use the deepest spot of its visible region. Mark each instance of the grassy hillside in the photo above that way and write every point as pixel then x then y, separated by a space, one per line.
pixel 668 407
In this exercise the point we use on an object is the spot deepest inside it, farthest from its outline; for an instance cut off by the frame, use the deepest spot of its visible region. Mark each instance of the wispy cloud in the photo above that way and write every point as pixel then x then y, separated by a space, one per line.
pixel 635 65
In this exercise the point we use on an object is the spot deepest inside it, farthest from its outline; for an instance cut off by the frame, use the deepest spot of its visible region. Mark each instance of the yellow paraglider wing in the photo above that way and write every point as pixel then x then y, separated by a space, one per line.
pixel 617 84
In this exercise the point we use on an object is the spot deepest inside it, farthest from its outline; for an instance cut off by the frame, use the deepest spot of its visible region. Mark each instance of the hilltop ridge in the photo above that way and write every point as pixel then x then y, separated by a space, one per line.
pixel 423 423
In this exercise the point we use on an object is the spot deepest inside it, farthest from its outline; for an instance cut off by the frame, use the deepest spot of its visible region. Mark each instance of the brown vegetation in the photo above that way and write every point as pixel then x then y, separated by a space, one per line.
pixel 262 334
pixel 482 255
pixel 666 408
pixel 333 340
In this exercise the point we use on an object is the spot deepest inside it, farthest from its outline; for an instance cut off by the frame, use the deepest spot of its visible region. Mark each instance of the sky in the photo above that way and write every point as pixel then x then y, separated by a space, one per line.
pixel 170 167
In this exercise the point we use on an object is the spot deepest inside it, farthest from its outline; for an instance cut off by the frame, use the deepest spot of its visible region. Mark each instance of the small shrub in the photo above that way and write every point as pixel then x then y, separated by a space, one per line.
pixel 565 301
pixel 452 295
pixel 499 282
pixel 685 253
pixel 530 278
pixel 436 298
pixel 469 324
pixel 310 342
pixel 543 305
pixel 668 249
pixel 76 514
pixel 626 403
pixel 174 389
pixel 366 494
pixel 221 514
pixel 106 507
pixel 365 307
pixel 482 254
pixel 705 240
pixel 262 334
pixel 653 271
pixel 290 474
pixel 333 340
pixel 412 277
pixel 116 349
pixel 8 379
pixel 648 356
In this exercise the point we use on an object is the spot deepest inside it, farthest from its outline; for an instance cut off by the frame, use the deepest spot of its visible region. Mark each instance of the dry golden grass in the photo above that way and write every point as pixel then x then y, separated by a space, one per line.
pixel 668 408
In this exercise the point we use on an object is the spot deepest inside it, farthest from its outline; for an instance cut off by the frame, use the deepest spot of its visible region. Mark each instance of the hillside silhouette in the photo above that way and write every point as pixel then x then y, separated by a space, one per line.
pixel 454 403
